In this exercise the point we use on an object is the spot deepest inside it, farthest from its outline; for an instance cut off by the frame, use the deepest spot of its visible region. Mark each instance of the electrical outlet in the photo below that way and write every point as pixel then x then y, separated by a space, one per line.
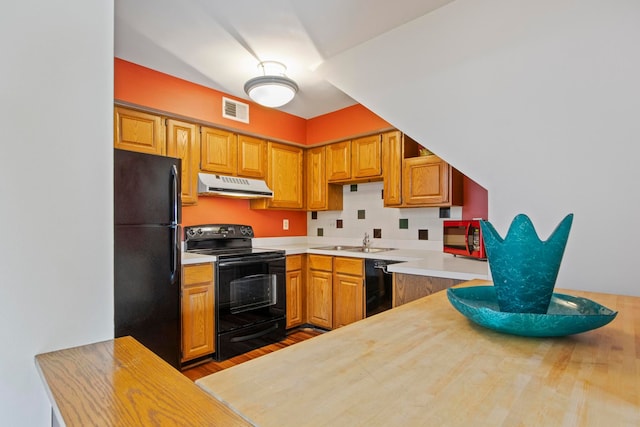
pixel 285 224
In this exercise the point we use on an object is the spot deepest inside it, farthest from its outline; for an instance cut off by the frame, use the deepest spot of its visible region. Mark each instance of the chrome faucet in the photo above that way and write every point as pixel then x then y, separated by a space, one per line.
pixel 366 242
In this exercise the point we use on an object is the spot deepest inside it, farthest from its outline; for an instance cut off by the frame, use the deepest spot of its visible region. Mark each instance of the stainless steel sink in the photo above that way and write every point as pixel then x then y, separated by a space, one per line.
pixel 337 248
pixel 368 250
pixel 352 249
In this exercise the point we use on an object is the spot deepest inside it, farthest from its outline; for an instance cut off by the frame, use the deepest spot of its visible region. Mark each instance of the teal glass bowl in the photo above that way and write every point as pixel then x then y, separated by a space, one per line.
pixel 566 315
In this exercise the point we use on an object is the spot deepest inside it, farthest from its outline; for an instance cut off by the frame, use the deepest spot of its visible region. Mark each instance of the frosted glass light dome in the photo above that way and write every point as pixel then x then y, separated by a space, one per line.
pixel 273 88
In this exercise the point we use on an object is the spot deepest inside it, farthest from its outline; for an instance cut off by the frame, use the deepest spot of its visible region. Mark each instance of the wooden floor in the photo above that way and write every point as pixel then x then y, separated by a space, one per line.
pixel 207 368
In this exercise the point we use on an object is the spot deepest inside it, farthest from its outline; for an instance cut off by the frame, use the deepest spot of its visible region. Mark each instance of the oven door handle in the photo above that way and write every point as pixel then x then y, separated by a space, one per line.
pixel 250 260
pixel 255 335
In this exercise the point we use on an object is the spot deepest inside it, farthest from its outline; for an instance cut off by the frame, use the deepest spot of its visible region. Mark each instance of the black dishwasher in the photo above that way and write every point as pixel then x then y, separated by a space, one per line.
pixel 378 284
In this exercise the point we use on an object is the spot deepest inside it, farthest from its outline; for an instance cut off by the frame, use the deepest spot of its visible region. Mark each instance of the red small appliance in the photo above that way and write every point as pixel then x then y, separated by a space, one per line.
pixel 463 237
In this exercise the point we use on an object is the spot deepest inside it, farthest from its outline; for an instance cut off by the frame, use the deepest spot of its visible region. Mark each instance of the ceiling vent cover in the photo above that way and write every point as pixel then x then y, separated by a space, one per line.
pixel 235 110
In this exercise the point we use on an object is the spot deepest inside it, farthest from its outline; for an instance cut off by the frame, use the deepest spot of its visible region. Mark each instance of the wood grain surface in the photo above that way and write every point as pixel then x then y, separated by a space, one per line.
pixel 121 383
pixel 425 364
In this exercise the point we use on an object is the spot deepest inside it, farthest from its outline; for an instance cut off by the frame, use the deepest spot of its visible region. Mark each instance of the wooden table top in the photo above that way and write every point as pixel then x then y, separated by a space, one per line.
pixel 122 383
pixel 425 364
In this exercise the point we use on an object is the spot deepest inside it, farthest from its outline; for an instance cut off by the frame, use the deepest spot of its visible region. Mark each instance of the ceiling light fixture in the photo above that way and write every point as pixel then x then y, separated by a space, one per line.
pixel 273 88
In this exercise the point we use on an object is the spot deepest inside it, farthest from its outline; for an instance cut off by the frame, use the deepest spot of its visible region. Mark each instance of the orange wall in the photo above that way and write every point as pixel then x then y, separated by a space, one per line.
pixel 142 86
pixel 148 88
pixel 214 210
pixel 145 87
pixel 349 121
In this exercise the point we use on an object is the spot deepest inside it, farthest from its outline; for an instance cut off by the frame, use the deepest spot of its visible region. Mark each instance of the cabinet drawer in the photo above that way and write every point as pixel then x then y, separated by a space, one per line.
pixel 353 266
pixel 320 262
pixel 197 273
pixel 294 262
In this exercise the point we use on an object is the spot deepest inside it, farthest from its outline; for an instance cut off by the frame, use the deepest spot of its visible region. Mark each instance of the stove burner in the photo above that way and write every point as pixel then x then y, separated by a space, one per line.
pixel 222 240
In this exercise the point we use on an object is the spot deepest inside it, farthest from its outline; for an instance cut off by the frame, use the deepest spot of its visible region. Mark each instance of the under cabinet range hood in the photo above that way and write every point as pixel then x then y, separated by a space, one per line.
pixel 232 186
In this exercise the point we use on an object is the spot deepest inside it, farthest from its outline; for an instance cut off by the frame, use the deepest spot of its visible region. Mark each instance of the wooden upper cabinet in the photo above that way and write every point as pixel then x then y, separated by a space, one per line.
pixel 218 151
pixel 182 142
pixel 339 161
pixel 320 194
pixel 138 131
pixel 316 179
pixel 366 157
pixel 252 157
pixel 430 181
pixel 356 160
pixel 392 168
pixel 284 177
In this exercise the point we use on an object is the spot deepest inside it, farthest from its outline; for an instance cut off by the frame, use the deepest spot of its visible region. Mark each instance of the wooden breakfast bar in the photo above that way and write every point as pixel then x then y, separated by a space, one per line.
pixel 420 364
pixel 121 383
pixel 423 363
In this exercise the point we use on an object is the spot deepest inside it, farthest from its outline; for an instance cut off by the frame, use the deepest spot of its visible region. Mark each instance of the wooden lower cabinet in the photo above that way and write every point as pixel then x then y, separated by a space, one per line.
pixel 320 291
pixel 348 291
pixel 335 290
pixel 295 290
pixel 197 307
pixel 409 287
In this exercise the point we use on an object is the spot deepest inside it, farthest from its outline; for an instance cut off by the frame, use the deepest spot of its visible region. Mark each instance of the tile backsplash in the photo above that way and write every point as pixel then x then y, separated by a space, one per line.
pixel 363 212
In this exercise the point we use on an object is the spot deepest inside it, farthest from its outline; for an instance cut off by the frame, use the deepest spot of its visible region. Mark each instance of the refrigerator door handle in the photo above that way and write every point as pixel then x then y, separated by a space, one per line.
pixel 175 253
pixel 174 194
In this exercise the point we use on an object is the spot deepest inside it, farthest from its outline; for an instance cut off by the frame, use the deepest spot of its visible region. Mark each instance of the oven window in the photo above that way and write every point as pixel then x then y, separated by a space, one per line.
pixel 251 292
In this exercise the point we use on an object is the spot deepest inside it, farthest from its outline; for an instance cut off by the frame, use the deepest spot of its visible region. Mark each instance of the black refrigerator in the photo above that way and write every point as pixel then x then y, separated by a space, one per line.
pixel 147 251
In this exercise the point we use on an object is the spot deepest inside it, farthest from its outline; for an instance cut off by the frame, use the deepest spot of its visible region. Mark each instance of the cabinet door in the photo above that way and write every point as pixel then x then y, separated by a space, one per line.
pixel 392 168
pixel 348 291
pixel 339 161
pixel 316 179
pixel 425 181
pixel 218 151
pixel 197 309
pixel 285 176
pixel 294 298
pixel 182 142
pixel 320 194
pixel 295 291
pixel 319 297
pixel 409 287
pixel 366 158
pixel 138 131
pixel 348 304
pixel 252 157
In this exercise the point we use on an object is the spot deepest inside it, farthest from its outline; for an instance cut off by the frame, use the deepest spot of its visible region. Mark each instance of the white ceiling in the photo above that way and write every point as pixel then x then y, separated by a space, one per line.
pixel 218 44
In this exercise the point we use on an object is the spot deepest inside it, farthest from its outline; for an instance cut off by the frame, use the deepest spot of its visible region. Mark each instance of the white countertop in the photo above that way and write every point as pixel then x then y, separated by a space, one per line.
pixel 420 262
pixel 191 258
pixel 415 261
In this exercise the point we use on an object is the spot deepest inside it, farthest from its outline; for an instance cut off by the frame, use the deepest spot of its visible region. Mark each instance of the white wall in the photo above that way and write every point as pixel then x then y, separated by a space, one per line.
pixel 539 102
pixel 56 255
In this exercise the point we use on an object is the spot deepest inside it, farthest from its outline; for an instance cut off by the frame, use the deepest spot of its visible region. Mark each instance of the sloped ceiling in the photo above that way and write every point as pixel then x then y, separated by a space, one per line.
pixel 218 44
